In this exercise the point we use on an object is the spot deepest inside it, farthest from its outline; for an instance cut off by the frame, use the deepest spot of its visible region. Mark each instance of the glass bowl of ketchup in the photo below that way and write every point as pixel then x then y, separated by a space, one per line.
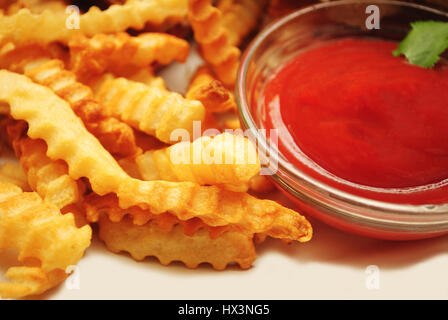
pixel 355 136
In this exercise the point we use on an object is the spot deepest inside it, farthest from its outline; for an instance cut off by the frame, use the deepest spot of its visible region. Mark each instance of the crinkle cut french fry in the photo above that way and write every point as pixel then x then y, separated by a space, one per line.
pixel 226 159
pixel 213 39
pixel 54 121
pixel 15 58
pixel 41 236
pixel 13 173
pixel 95 205
pixel 117 52
pixel 25 281
pixel 26 27
pixel 49 178
pixel 115 135
pixel 240 17
pixel 37 6
pixel 149 109
pixel 232 122
pixel 210 91
pixel 174 245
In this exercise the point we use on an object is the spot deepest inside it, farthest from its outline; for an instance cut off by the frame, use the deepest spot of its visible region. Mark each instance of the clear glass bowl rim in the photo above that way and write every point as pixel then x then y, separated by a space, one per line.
pixel 405 217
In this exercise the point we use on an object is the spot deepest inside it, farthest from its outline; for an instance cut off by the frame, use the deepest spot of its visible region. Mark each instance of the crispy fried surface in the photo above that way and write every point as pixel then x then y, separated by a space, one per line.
pixel 67 139
pixel 214 41
pixel 44 238
pixel 115 135
pixel 13 173
pixel 25 281
pixel 119 52
pixel 174 245
pixel 205 88
pixel 49 178
pixel 37 6
pixel 227 160
pixel 155 111
pixel 25 27
pixel 95 205
pixel 146 76
pixel 240 17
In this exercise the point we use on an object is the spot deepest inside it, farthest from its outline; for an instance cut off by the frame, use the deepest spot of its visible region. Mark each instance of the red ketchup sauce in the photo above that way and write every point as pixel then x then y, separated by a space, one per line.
pixel 352 115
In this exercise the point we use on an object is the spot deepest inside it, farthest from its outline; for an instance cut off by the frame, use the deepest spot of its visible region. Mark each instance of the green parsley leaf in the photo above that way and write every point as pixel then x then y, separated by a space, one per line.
pixel 424 43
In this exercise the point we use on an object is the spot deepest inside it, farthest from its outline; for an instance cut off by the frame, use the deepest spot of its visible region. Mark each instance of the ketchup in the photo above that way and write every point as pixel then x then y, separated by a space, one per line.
pixel 352 115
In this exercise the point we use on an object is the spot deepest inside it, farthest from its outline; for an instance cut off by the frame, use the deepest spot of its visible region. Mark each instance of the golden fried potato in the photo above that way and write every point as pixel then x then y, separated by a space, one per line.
pixel 145 76
pixel 25 281
pixel 240 17
pixel 44 238
pixel 43 28
pixel 67 139
pixel 149 109
pixel 37 6
pixel 120 52
pixel 205 88
pixel 232 122
pixel 49 178
pixel 13 173
pixel 115 135
pixel 174 245
pixel 227 160
pixel 213 39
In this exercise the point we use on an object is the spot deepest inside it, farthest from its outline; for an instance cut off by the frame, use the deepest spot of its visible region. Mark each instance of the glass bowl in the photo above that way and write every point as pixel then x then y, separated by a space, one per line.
pixel 278 43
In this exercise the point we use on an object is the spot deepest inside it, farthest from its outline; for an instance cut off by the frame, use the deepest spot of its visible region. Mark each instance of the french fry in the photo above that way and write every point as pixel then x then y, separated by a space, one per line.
pixel 117 52
pixel 205 88
pixel 47 241
pixel 240 17
pixel 13 173
pixel 150 109
pixel 49 178
pixel 213 39
pixel 174 245
pixel 15 58
pixel 25 281
pixel 146 76
pixel 37 6
pixel 26 27
pixel 115 135
pixel 232 122
pixel 224 160
pixel 67 139
pixel 95 205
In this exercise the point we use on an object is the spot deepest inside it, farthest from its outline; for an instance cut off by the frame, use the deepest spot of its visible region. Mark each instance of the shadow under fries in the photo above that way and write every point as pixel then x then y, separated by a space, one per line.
pixel 333 246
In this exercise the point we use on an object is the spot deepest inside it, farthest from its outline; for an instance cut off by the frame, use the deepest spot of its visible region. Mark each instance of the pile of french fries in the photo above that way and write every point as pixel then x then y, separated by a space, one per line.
pixel 92 127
